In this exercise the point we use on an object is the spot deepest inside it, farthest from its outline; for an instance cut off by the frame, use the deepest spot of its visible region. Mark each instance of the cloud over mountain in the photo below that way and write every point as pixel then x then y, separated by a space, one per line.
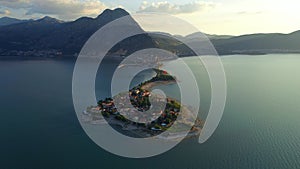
pixel 15 4
pixel 167 7
pixel 5 12
pixel 63 9
pixel 66 9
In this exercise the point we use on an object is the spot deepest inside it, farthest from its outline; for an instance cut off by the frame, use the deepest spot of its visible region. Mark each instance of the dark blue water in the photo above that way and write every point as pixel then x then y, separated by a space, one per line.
pixel 259 129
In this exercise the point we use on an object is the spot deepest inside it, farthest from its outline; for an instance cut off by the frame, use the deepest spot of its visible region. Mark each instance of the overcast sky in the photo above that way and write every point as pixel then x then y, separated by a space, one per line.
pixel 232 17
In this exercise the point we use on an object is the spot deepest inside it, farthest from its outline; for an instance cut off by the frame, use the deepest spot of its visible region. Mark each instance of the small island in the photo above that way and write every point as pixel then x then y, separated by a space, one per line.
pixel 140 102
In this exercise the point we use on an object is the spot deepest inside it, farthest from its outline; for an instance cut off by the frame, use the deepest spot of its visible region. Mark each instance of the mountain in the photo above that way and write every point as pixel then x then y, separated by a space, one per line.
pixel 50 37
pixel 9 21
pixel 244 44
pixel 27 36
pixel 259 44
pixel 199 34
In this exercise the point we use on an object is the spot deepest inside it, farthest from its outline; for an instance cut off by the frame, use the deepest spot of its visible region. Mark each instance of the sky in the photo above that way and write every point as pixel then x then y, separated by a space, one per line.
pixel 223 17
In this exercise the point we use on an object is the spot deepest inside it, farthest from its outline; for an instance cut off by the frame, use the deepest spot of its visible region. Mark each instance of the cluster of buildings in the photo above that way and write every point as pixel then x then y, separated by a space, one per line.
pixel 161 116
pixel 137 97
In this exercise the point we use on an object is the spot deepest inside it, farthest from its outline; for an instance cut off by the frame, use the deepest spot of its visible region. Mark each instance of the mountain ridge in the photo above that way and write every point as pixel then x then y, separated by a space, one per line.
pixel 9 21
pixel 55 38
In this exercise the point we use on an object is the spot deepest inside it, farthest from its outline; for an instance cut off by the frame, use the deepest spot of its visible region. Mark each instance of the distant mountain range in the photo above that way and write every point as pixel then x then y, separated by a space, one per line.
pixel 50 37
pixel 9 21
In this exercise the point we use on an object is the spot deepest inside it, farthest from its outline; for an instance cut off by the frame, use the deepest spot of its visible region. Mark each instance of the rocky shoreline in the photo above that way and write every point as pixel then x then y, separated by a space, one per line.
pixel 109 111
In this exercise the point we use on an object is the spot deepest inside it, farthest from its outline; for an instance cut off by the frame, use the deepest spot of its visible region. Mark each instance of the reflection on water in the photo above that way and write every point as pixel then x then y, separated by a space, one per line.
pixel 259 129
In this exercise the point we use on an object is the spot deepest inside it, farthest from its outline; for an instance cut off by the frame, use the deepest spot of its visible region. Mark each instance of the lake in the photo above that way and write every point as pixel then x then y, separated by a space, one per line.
pixel 260 127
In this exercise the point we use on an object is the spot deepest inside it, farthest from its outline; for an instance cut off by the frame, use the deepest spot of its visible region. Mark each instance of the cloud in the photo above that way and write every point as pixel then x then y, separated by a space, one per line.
pixel 15 4
pixel 5 12
pixel 166 7
pixel 249 13
pixel 63 9
pixel 66 9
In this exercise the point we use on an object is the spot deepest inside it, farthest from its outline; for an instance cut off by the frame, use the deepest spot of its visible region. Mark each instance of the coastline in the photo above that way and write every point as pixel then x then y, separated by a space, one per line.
pixel 140 132
pixel 120 58
pixel 107 113
pixel 151 85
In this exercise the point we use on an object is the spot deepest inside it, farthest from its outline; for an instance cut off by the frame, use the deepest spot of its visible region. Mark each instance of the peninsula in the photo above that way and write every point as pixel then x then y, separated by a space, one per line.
pixel 140 100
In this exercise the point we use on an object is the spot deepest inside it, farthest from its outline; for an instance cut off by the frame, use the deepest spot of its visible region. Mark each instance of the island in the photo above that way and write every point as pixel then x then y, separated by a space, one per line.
pixel 140 98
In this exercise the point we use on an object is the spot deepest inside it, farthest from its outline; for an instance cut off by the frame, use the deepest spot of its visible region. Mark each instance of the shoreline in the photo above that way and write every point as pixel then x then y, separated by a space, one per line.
pixel 140 132
pixel 106 112
pixel 115 59
pixel 150 85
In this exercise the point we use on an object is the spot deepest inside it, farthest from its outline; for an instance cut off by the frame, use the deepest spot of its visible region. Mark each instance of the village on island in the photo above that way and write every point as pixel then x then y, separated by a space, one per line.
pixel 139 96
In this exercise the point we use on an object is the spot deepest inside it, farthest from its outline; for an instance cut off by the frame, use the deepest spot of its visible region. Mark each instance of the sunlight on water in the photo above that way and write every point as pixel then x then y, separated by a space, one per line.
pixel 259 128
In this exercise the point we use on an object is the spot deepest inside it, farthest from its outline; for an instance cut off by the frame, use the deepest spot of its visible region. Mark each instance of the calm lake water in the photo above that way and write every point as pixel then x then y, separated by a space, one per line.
pixel 260 127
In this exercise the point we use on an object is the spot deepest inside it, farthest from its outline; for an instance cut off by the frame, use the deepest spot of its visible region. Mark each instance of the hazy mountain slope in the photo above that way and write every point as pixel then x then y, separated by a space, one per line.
pixel 10 21
pixel 260 43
